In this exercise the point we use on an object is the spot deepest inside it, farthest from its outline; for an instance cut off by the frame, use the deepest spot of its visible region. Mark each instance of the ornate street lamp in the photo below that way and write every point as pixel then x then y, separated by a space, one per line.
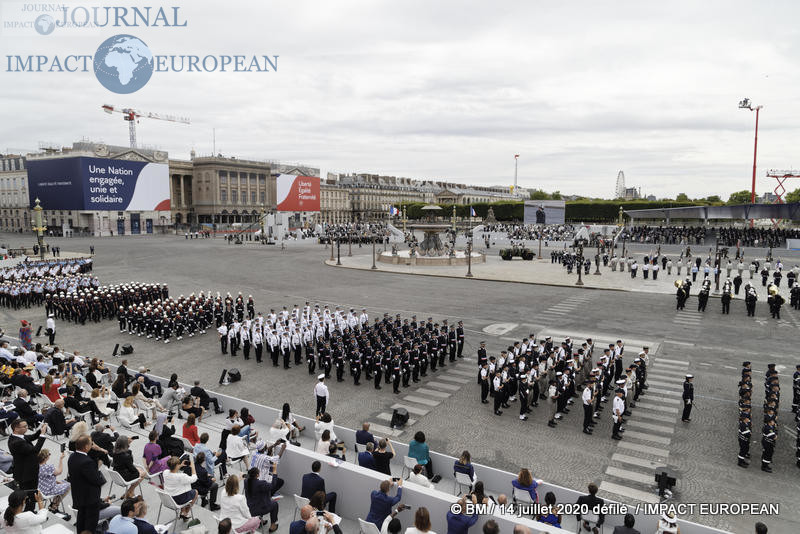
pixel 39 228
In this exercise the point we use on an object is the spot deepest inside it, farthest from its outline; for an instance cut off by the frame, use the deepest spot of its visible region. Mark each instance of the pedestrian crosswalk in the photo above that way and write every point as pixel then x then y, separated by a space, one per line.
pixel 557 311
pixel 649 435
pixel 688 318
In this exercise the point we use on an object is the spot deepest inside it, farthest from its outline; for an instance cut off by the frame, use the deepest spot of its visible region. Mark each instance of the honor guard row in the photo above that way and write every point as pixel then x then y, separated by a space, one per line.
pixel 393 351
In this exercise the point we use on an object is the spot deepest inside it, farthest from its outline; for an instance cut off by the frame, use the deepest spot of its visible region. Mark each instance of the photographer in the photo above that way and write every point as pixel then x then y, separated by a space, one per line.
pixel 381 503
pixel 17 520
pixel 178 485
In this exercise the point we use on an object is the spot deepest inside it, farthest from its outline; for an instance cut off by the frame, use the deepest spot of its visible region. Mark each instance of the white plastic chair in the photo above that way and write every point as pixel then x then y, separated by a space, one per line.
pixel 591 520
pixel 462 480
pixel 169 502
pixel 299 502
pixel 409 464
pixel 521 497
pixel 365 527
pixel 117 480
pixel 187 445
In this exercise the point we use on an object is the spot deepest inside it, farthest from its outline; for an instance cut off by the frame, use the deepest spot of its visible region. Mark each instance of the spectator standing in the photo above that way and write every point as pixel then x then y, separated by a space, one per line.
pixel 381 503
pixel 87 481
pixel 25 450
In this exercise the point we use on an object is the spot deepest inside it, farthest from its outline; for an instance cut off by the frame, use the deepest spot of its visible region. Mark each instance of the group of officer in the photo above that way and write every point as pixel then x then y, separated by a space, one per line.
pixel 531 370
pixel 774 300
pixel 769 431
pixel 396 351
pixel 27 283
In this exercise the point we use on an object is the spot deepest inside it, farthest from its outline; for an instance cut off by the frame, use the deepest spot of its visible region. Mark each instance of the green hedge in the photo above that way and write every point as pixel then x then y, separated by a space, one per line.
pixel 600 211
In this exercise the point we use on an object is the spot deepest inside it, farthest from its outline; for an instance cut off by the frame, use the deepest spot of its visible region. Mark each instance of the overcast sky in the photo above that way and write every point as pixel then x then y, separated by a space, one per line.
pixel 452 90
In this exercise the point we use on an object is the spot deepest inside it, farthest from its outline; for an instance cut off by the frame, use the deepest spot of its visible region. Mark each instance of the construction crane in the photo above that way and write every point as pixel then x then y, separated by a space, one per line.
pixel 133 115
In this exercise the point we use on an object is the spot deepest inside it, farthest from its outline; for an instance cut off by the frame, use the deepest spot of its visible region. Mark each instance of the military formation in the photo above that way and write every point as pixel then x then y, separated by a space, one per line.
pixel 29 283
pixel 386 351
pixel 775 301
pixel 531 370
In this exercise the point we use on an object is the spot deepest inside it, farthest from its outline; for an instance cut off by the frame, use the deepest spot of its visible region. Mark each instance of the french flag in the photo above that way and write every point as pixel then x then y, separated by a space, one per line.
pixel 471 211
pixel 393 211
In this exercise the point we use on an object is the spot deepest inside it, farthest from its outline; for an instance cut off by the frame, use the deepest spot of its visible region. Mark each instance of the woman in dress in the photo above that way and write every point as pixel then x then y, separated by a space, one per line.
pixel 152 455
pixel 48 484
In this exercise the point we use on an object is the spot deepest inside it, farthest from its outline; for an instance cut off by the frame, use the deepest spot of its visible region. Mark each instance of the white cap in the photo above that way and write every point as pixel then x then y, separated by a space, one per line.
pixel 321 377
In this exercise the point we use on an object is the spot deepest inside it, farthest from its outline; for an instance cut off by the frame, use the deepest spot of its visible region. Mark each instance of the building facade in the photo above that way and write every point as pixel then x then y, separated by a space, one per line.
pixel 100 223
pixel 334 203
pixel 14 214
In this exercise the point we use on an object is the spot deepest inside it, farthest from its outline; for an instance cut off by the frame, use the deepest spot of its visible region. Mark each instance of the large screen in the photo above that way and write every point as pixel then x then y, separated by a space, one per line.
pixel 544 211
pixel 99 184
pixel 297 193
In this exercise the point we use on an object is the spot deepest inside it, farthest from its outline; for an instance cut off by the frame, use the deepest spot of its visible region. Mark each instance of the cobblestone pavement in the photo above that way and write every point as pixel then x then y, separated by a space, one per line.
pixel 446 406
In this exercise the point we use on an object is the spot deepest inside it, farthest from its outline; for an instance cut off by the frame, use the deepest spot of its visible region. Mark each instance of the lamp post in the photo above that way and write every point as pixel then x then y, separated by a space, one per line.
pixel 338 252
pixel 469 257
pixel 374 236
pixel 746 104
pixel 331 240
pixel 580 264
pixel 350 243
pixel 39 228
pixel 597 260
pixel 540 244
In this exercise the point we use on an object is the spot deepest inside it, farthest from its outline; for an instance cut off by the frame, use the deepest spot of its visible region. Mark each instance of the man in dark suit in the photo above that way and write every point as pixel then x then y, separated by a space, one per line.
pixel 25 453
pixel 628 528
pixel 205 485
pixel 364 436
pixel 105 440
pixel 21 380
pixel 205 399
pixel 54 418
pixel 591 501
pixel 86 481
pixel 313 483
pixel 23 408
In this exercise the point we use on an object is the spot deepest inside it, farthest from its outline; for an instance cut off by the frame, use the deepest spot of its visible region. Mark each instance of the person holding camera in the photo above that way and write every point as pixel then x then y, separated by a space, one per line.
pixel 178 484
pixel 47 479
pixel 234 506
pixel 25 450
pixel 381 503
pixel 17 519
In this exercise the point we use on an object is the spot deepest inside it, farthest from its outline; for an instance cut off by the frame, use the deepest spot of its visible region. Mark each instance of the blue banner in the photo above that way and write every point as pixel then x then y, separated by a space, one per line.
pixel 99 184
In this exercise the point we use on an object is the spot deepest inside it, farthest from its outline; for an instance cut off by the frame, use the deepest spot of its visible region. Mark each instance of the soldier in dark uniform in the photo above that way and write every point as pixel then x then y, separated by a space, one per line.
pixel 483 380
pixel 745 429
pixel 688 398
pixel 775 301
pixel 796 389
pixel 702 297
pixel 768 436
pixel 378 368
pixel 355 367
pixel 750 301
pixel 726 298
pixel 523 392
pixel 460 338
pixel 397 368
pixel 452 343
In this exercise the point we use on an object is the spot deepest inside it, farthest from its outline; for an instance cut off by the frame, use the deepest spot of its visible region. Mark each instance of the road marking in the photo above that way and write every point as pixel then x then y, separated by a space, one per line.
pixel 671 360
pixel 385 416
pixel 456 379
pixel 663 418
pixel 411 409
pixel 685 344
pixel 499 329
pixel 630 475
pixel 432 393
pixel 655 451
pixel 422 400
pixel 640 462
pixel 648 437
pixel 655 428
pixel 631 493
pixel 447 387
pixel 384 430
pixel 658 408
pixel 668 401
pixel 663 391
pixel 660 383
pixel 661 378
pixel 464 372
pixel 660 369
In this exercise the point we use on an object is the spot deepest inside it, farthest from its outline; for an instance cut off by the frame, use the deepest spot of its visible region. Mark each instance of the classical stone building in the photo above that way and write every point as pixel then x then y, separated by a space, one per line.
pixel 335 206
pixel 14 214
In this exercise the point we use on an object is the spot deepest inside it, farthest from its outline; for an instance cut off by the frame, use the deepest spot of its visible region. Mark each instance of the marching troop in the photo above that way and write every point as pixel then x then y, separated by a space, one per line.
pixel 531 370
pixel 396 351
pixel 28 283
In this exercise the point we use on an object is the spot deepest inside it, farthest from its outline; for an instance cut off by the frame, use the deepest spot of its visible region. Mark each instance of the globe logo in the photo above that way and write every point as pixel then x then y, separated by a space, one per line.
pixel 123 64
pixel 44 24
